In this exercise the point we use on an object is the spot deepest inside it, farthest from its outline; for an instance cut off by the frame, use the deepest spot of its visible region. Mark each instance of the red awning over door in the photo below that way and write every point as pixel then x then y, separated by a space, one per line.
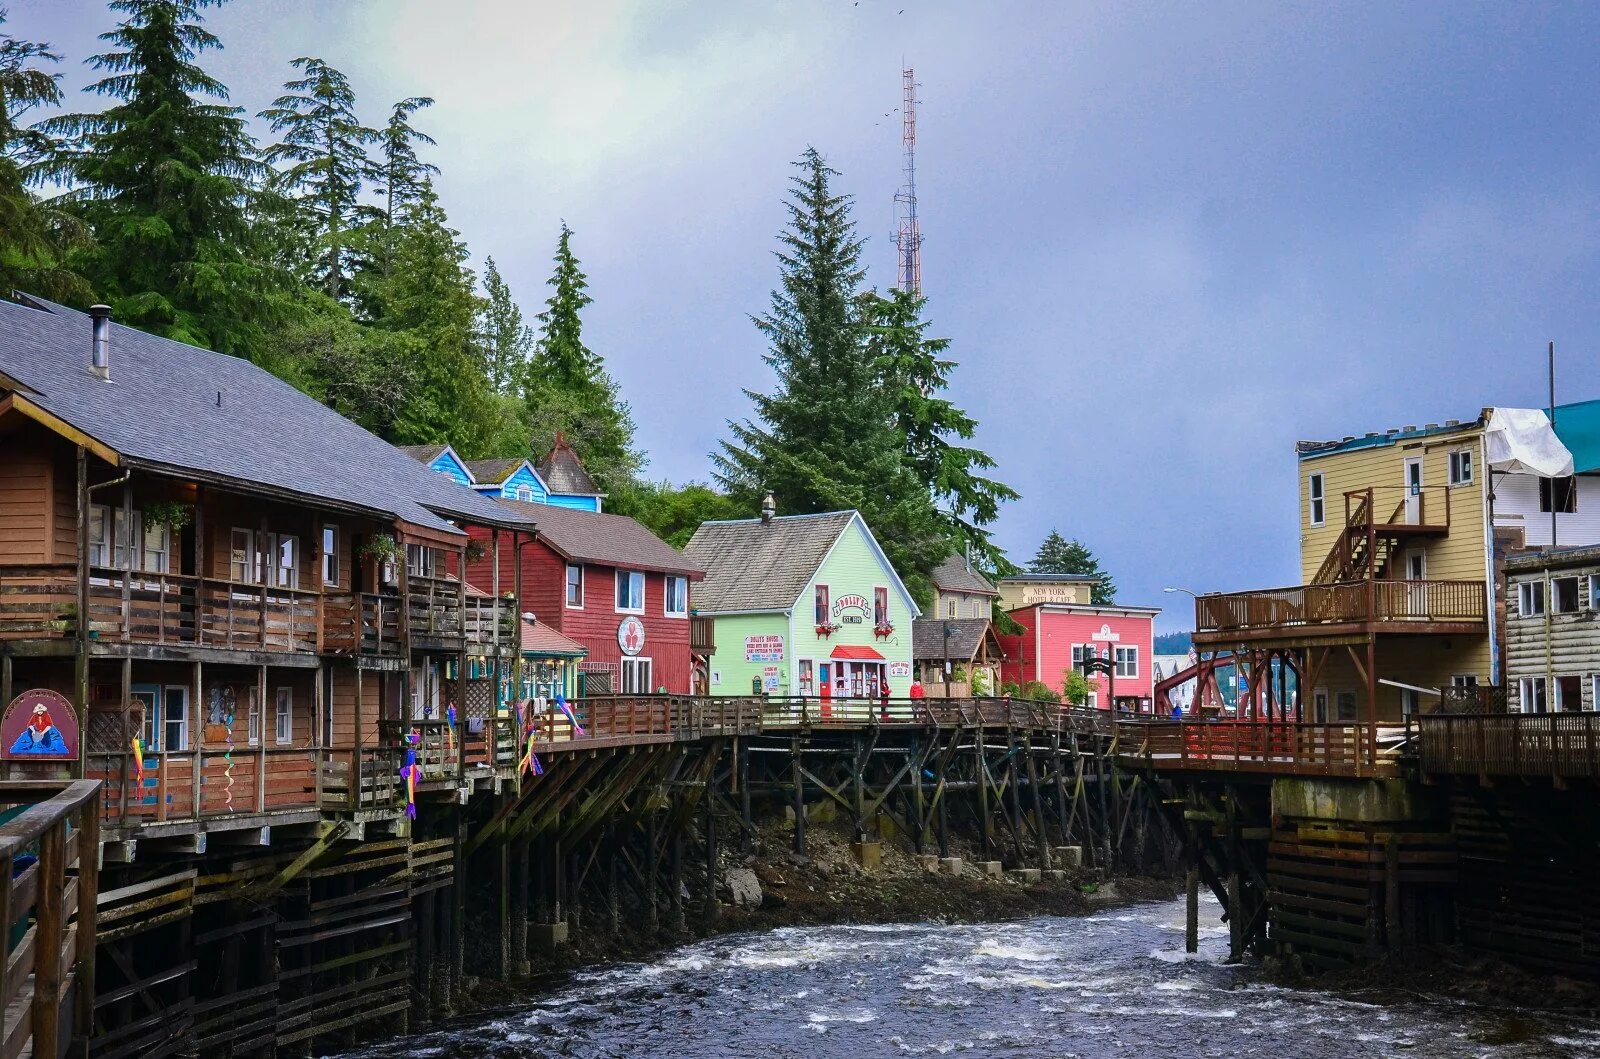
pixel 857 654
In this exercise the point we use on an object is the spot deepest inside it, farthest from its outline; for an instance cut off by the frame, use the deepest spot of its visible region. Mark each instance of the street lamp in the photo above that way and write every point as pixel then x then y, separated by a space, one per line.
pixel 1185 591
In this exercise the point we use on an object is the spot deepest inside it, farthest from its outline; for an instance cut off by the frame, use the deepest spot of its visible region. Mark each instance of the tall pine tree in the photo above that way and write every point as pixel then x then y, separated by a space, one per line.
pixel 326 146
pixel 506 340
pixel 567 389
pixel 824 440
pixel 400 175
pixel 163 177
pixel 35 239
pixel 1057 555
pixel 915 374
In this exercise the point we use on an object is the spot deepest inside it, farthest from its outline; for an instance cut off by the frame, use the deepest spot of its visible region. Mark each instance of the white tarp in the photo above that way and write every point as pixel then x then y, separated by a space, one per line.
pixel 1522 441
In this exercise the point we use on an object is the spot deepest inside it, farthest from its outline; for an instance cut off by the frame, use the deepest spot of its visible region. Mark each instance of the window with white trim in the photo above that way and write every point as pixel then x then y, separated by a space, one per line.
pixel 1461 467
pixel 252 716
pixel 822 604
pixel 283 715
pixel 1127 661
pixel 285 560
pixel 1318 502
pixel 330 555
pixel 1081 653
pixel 1531 695
pixel 525 493
pixel 242 556
pixel 677 596
pixel 420 561
pixel 630 591
pixel 1530 599
pixel 950 605
pixel 636 674
pixel 880 606
pixel 1564 595
pixel 155 553
pixel 808 682
pixel 575 585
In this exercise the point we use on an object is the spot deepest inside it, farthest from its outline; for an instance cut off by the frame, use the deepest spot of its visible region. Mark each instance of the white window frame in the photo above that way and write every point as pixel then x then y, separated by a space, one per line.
pixel 283 715
pixel 951 606
pixel 569 586
pixel 1132 661
pixel 1464 680
pixel 282 576
pixel 420 561
pixel 880 591
pixel 252 713
pixel 1316 494
pixel 525 494
pixel 822 603
pixel 1528 692
pixel 1594 691
pixel 616 595
pixel 181 721
pixel 100 551
pixel 162 552
pixel 242 571
pixel 669 583
pixel 635 665
pixel 330 556
pixel 1461 469
pixel 1530 598
pixel 1552 598
pixel 806 675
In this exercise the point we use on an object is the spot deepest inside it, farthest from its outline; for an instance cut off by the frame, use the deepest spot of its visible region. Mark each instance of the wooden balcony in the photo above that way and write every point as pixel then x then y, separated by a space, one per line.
pixel 442 615
pixel 1350 606
pixel 1261 747
pixel 206 784
pixel 1555 746
pixel 702 636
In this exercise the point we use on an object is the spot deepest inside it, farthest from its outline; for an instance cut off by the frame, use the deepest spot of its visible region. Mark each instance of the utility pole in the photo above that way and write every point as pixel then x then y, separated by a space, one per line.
pixel 908 234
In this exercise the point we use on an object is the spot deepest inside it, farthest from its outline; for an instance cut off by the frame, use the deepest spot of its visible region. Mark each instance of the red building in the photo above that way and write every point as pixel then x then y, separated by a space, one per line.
pixel 1057 637
pixel 611 585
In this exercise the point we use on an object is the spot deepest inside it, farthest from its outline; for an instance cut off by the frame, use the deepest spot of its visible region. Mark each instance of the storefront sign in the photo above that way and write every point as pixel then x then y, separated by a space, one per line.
pixel 1034 592
pixel 769 678
pixel 763 648
pixel 852 609
pixel 630 635
pixel 1106 635
pixel 899 669
pixel 39 724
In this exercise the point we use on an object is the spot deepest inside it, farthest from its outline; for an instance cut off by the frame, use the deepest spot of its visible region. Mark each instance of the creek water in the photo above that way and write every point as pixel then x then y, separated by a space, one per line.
pixel 1107 985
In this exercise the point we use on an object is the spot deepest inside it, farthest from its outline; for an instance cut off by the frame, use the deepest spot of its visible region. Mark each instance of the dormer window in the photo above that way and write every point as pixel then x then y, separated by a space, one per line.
pixel 525 493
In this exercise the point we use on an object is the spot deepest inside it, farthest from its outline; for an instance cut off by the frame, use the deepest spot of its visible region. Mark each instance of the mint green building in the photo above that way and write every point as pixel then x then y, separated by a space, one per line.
pixel 804 605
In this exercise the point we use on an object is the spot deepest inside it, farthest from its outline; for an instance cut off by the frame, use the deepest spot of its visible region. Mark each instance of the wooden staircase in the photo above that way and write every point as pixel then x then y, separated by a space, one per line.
pixel 1366 545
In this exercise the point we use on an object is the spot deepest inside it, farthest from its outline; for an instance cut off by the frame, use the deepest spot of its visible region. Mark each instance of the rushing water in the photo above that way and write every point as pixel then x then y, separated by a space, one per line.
pixel 1114 984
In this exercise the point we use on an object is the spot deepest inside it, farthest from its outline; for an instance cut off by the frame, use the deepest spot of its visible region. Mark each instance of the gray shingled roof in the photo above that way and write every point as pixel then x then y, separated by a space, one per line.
pixel 605 539
pixel 160 410
pixel 493 472
pixel 953 575
pixel 564 473
pixel 422 453
pixel 755 565
pixel 966 636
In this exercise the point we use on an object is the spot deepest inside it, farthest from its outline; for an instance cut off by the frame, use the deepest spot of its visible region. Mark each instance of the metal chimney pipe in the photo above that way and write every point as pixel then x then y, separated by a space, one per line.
pixel 100 352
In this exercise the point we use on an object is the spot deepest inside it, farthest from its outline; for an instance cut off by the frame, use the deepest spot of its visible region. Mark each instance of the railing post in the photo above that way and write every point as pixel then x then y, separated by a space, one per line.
pixel 88 897
pixel 47 942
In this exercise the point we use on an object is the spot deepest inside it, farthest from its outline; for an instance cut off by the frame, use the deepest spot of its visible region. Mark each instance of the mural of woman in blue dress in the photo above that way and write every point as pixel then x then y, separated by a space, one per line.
pixel 41 736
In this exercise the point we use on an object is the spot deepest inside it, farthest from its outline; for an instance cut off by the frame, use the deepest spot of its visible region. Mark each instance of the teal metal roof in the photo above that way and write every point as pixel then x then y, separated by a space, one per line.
pixel 1578 427
pixel 1306 450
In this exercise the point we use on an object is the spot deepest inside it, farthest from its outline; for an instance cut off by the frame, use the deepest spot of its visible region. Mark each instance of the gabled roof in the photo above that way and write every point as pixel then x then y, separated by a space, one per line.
pixel 954 575
pixel 1306 450
pixel 759 566
pixel 562 471
pixel 496 471
pixel 605 540
pixel 966 636
pixel 541 639
pixel 424 453
pixel 178 409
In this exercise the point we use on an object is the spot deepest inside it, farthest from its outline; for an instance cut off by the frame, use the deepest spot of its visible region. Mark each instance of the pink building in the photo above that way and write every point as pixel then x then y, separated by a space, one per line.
pixel 1061 636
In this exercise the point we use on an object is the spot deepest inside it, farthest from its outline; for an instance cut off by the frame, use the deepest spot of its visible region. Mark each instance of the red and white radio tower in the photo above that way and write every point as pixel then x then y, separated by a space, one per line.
pixel 908 236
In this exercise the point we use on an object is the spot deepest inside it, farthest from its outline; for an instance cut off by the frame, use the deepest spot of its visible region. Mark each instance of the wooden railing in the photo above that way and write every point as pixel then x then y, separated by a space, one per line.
pixel 1249 746
pixel 38 602
pixel 198 784
pixel 702 635
pixel 1555 745
pixel 1419 602
pixel 142 607
pixel 48 890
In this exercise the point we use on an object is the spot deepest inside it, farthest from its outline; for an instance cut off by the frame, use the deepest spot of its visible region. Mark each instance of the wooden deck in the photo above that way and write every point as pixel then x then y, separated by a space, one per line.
pixel 1558 746
pixel 1385 606
pixel 1275 748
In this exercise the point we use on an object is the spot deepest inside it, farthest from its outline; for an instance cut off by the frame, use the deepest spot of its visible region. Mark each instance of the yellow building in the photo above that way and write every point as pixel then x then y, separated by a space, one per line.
pixel 1397 603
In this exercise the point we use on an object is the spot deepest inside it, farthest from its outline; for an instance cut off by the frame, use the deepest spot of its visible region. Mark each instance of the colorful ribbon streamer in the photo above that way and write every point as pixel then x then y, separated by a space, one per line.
pixel 561 704
pixel 138 760
pixel 450 728
pixel 411 772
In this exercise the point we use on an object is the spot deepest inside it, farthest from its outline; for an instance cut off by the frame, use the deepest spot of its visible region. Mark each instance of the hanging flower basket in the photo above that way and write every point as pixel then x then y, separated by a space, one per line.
pixel 173 514
pixel 884 631
pixel 475 551
pixel 827 628
pixel 380 548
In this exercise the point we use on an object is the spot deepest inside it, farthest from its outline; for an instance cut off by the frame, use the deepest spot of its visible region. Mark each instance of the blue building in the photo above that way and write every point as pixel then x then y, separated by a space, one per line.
pixel 559 480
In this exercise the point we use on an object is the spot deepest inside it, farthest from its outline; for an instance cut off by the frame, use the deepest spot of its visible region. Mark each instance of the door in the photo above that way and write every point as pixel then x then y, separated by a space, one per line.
pixel 825 687
pixel 148 696
pixel 1413 490
pixel 1417 588
pixel 1320 699
pixel 175 719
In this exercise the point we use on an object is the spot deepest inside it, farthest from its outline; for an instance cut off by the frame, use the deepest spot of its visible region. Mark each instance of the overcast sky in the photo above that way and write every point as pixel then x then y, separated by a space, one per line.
pixel 1167 243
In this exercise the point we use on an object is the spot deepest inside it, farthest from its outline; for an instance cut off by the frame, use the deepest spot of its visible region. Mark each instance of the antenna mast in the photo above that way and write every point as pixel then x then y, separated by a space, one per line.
pixel 908 236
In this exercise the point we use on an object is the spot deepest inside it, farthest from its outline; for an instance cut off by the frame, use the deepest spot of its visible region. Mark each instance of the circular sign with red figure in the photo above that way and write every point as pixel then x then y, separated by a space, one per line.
pixel 630 635
pixel 39 725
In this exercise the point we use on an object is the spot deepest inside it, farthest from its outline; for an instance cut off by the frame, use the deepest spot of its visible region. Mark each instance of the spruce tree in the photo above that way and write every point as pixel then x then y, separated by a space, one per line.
pixel 400 175
pixel 163 177
pixel 326 146
pixel 825 439
pixel 506 340
pixel 914 374
pixel 567 389
pixel 1057 555
pixel 35 239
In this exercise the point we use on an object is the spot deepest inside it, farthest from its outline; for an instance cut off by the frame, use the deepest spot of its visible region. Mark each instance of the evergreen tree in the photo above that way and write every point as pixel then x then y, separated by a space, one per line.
pixel 506 340
pixel 914 374
pixel 163 178
pixel 1057 555
pixel 401 175
pixel 35 239
pixel 429 308
pixel 824 439
pixel 327 148
pixel 672 512
pixel 567 389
